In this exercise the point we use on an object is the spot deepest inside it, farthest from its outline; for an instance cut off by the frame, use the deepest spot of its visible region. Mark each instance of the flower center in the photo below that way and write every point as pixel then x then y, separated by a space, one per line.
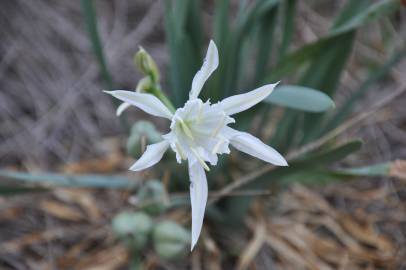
pixel 197 130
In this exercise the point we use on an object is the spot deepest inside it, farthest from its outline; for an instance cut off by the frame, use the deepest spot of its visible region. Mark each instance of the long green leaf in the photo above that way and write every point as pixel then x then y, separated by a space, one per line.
pixel 353 18
pixel 313 177
pixel 365 16
pixel 267 25
pixel 300 98
pixel 91 24
pixel 11 190
pixel 344 111
pixel 245 24
pixel 288 24
pixel 381 169
pixel 222 31
pixel 184 39
pixel 330 155
pixel 324 73
pixel 53 179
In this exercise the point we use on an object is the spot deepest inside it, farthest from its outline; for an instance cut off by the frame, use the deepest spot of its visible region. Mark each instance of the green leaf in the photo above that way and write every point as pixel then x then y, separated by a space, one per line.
pixel 91 23
pixel 53 179
pixel 9 190
pixel 314 177
pixel 265 43
pixel 288 24
pixel 245 24
pixel 350 10
pixel 300 98
pixel 381 169
pixel 328 156
pixel 184 39
pixel 324 73
pixel 344 111
pixel 351 19
pixel 374 12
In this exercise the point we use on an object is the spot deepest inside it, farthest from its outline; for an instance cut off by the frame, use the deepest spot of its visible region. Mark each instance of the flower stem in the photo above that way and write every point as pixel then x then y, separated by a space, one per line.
pixel 157 91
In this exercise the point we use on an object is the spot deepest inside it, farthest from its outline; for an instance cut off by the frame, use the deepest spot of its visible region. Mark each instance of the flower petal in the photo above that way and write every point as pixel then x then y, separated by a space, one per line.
pixel 146 102
pixel 151 156
pixel 198 198
pixel 123 106
pixel 210 64
pixel 251 145
pixel 239 103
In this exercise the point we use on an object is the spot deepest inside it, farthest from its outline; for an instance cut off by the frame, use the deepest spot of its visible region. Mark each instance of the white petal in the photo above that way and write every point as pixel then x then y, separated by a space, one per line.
pixel 251 145
pixel 146 102
pixel 198 198
pixel 239 103
pixel 152 155
pixel 210 64
pixel 123 106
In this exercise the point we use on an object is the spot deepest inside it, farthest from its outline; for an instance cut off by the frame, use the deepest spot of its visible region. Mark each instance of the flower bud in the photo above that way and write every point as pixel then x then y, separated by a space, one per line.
pixel 152 197
pixel 142 133
pixel 170 239
pixel 132 228
pixel 144 85
pixel 146 64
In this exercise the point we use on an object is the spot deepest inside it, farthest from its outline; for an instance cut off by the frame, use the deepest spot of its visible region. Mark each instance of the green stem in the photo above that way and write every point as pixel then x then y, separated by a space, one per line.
pixel 157 91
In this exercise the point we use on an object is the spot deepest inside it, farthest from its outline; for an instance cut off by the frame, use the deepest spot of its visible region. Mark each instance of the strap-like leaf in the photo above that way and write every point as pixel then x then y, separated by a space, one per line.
pixel 300 98
pixel 53 179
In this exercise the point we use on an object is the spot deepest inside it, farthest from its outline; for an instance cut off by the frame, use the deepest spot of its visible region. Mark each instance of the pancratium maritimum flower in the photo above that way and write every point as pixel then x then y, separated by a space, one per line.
pixel 199 132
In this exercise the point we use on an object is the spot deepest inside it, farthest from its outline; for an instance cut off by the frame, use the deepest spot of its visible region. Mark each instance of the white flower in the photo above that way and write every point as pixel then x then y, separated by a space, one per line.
pixel 199 132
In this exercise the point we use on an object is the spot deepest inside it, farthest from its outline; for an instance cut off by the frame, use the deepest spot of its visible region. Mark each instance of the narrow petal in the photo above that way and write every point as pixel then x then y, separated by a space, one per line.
pixel 251 145
pixel 210 64
pixel 123 106
pixel 239 103
pixel 146 102
pixel 151 156
pixel 198 198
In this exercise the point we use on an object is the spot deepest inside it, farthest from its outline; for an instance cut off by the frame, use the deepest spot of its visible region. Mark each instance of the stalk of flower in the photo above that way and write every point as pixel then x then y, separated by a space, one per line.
pixel 199 132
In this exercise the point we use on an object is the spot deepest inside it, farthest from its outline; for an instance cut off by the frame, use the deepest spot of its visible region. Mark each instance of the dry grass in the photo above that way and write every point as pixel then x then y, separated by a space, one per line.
pixel 51 106
pixel 359 226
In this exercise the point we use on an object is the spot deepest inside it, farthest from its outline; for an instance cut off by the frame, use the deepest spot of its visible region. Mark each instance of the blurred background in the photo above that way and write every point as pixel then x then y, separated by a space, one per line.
pixel 55 119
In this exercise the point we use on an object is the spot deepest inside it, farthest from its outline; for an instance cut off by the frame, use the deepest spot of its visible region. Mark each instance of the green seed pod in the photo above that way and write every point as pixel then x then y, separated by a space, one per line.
pixel 170 239
pixel 133 228
pixel 151 197
pixel 142 133
pixel 146 64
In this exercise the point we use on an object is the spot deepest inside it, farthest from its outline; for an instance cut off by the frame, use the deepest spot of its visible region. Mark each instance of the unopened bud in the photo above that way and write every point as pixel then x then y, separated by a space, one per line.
pixel 146 64
pixel 144 85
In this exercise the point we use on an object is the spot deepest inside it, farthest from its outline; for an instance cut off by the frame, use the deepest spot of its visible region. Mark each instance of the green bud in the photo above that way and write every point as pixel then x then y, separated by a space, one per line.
pixel 151 197
pixel 170 240
pixel 142 133
pixel 146 64
pixel 144 85
pixel 132 228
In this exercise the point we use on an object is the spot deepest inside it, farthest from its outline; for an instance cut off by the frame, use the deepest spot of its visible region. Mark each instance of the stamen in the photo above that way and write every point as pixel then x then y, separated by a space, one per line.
pixel 185 128
pixel 219 126
pixel 201 161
